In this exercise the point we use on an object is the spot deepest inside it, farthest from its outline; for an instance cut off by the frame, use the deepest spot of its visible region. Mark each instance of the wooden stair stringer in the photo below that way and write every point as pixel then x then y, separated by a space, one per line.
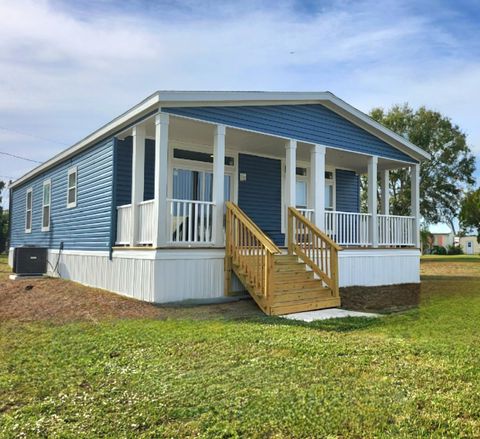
pixel 259 300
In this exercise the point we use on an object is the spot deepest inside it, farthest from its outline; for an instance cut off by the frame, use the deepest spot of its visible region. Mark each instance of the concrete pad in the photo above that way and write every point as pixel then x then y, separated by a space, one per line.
pixel 325 314
pixel 26 276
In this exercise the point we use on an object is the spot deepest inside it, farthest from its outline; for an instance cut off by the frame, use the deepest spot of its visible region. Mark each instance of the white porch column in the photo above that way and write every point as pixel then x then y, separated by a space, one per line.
pixel 290 173
pixel 385 193
pixel 161 179
pixel 415 200
pixel 138 178
pixel 317 185
pixel 372 198
pixel 218 196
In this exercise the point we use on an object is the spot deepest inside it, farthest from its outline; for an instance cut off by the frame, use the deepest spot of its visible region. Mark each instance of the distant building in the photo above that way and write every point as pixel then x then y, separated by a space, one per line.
pixel 470 245
pixel 442 235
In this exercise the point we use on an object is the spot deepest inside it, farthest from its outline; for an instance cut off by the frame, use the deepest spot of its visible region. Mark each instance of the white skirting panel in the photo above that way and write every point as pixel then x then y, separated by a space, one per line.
pixel 372 267
pixel 188 274
pixel 172 275
pixel 131 277
pixel 161 276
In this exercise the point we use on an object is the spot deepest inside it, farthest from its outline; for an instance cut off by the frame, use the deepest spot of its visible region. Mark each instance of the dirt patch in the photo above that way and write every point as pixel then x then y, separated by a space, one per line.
pixel 63 301
pixel 386 298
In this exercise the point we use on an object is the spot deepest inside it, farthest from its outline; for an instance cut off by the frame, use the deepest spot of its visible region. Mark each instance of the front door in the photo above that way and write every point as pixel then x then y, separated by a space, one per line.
pixel 260 193
pixel 469 248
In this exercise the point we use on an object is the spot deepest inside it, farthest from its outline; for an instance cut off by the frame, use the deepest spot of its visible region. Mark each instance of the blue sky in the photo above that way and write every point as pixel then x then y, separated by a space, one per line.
pixel 67 67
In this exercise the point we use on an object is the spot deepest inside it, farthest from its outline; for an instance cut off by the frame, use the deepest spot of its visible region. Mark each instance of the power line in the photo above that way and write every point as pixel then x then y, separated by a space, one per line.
pixel 33 136
pixel 19 157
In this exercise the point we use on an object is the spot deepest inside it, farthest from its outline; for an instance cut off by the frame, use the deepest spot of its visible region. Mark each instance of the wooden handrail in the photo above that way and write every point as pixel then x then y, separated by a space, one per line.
pixel 314 247
pixel 323 235
pixel 259 234
pixel 250 250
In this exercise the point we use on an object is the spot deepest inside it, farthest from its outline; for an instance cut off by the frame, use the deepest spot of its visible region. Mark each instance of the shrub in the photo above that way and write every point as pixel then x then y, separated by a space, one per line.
pixel 438 250
pixel 454 250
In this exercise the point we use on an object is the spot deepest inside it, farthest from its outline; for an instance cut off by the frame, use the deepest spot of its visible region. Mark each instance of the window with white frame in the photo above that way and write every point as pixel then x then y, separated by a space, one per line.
pixel 46 203
pixel 301 193
pixel 302 188
pixel 28 210
pixel 72 188
pixel 329 195
pixel 193 175
pixel 329 191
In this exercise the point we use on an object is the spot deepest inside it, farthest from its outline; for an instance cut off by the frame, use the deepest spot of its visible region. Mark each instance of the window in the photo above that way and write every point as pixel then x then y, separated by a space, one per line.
pixel 47 190
pixel 329 191
pixel 72 188
pixel 28 211
pixel 302 188
pixel 329 195
pixel 301 193
pixel 196 185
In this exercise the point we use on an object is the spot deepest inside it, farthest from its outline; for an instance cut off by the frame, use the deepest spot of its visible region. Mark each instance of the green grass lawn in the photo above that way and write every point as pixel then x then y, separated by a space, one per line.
pixel 415 374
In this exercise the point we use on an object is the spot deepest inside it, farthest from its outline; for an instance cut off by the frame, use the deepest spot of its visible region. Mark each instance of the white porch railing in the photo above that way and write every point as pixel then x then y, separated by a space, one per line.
pixel 190 222
pixel 394 230
pixel 124 224
pixel 146 222
pixel 307 213
pixel 348 228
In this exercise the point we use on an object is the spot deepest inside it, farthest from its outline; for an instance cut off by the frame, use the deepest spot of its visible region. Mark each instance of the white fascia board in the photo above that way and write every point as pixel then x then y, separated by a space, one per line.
pixel 230 98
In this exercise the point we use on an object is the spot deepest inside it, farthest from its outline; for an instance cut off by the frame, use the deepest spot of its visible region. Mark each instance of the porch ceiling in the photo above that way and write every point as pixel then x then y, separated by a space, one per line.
pixel 187 131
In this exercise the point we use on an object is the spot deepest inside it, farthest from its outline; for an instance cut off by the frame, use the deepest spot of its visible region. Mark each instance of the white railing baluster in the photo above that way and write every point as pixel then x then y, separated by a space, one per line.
pixel 124 225
pixel 190 222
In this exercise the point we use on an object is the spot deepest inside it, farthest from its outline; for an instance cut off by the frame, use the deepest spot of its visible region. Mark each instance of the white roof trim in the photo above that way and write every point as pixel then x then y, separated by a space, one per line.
pixel 229 98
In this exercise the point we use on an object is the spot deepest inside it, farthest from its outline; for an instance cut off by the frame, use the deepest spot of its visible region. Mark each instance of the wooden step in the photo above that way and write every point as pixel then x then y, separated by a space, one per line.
pixel 288 276
pixel 296 296
pixel 297 285
pixel 285 259
pixel 295 266
pixel 304 305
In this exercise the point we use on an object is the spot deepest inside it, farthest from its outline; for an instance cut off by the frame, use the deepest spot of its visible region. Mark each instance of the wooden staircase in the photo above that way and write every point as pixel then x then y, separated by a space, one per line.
pixel 304 279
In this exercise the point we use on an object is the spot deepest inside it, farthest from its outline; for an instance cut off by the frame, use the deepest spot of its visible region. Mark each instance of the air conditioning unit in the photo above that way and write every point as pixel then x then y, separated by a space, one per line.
pixel 30 261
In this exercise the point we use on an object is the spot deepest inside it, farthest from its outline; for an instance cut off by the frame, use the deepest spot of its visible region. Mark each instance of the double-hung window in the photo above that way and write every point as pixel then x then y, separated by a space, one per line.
pixel 72 188
pixel 28 210
pixel 46 203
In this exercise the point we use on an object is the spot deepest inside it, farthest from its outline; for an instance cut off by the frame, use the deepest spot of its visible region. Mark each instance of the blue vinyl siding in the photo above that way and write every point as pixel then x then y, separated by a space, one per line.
pixel 124 171
pixel 347 191
pixel 311 123
pixel 260 196
pixel 149 174
pixel 84 227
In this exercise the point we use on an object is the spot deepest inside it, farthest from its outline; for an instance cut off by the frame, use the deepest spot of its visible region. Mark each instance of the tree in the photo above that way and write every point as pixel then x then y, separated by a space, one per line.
pixel 444 177
pixel 470 212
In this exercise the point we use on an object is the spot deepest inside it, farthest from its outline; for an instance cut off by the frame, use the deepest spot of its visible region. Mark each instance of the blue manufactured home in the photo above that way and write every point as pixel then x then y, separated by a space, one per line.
pixel 192 195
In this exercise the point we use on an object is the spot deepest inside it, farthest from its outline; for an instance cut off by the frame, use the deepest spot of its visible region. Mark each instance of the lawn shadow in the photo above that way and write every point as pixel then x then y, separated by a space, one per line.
pixel 344 324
